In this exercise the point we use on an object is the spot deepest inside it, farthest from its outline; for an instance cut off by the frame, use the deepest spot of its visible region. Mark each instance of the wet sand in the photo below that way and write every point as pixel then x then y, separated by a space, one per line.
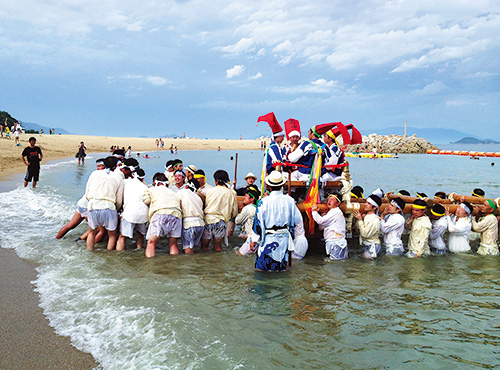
pixel 27 341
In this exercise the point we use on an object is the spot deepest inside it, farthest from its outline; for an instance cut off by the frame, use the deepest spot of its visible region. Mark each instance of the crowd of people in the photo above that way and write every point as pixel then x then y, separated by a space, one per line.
pixel 181 205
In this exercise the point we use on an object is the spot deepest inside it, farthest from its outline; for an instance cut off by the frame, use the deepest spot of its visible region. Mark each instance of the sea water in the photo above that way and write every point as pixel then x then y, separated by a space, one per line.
pixel 212 310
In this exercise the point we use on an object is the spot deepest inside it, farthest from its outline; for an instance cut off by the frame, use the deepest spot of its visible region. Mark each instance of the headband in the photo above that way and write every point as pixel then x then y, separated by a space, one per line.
pixel 492 204
pixel 437 214
pixel 199 177
pixel 372 202
pixel 355 196
pixel 397 205
pixel 477 195
pixel 336 197
pixel 465 208
pixel 161 183
pixel 416 206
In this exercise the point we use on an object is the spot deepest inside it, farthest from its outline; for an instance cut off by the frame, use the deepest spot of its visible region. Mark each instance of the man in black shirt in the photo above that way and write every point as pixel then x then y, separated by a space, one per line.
pixel 33 156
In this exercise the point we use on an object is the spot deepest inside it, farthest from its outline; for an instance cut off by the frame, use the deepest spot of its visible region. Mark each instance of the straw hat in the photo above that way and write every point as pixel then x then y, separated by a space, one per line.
pixel 275 178
pixel 250 174
pixel 191 168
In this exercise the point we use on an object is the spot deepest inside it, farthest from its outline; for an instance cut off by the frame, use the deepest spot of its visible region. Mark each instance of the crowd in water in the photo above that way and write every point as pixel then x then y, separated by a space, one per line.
pixel 181 205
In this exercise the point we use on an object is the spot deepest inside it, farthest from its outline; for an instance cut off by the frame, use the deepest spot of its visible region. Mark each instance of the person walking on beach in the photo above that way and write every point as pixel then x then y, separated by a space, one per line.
pixel 34 156
pixel 81 153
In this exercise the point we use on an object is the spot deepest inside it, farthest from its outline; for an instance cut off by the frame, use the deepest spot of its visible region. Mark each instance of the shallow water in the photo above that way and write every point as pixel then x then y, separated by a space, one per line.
pixel 213 311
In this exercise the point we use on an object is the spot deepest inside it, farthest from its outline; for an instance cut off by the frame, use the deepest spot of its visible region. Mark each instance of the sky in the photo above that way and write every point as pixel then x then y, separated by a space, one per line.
pixel 211 68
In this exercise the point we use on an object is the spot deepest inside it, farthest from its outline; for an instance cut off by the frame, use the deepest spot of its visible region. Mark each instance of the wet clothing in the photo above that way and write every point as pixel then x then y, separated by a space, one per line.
pixel 277 215
pixel 418 242
pixel 436 237
pixel 33 157
pixel 459 230
pixel 488 227
pixel 333 224
pixel 369 230
pixel 392 226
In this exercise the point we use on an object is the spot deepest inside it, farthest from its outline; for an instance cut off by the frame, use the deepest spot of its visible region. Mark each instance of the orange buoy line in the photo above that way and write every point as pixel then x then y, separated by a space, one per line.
pixel 464 153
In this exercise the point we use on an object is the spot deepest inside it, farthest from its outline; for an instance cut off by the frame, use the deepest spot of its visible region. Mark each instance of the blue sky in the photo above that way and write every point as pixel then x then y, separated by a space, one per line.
pixel 210 68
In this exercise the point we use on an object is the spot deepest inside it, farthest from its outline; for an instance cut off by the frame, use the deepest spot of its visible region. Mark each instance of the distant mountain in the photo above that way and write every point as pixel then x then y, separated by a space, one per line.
pixel 473 140
pixel 434 135
pixel 37 127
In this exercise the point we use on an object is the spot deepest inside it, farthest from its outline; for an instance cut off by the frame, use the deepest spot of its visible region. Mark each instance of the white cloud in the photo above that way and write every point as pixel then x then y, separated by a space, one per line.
pixel 153 80
pixel 431 88
pixel 256 76
pixel 315 87
pixel 235 71
pixel 243 45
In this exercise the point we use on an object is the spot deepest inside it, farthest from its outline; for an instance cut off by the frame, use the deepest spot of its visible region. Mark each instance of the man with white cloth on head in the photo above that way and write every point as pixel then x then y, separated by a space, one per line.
pixel 135 212
pixel 369 227
pixel 392 225
pixel 192 215
pixel 104 192
pixel 277 215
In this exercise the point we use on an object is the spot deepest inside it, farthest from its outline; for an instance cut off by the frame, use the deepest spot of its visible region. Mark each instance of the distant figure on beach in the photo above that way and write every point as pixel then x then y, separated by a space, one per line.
pixel 171 148
pixel 128 153
pixel 34 156
pixel 162 143
pixel 17 133
pixel 81 153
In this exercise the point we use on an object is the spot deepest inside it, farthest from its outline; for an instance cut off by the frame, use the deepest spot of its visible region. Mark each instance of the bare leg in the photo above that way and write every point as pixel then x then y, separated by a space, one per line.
pixel 86 234
pixel 25 183
pixel 172 242
pixel 139 240
pixel 111 239
pixel 151 247
pixel 120 244
pixel 101 232
pixel 205 244
pixel 188 250
pixel 217 245
pixel 91 239
pixel 34 184
pixel 74 222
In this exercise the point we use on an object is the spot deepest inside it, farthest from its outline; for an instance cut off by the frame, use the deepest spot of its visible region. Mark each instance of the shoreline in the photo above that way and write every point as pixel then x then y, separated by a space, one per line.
pixel 56 147
pixel 30 342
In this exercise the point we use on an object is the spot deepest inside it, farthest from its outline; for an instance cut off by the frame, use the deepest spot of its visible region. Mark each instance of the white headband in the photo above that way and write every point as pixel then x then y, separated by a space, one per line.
pixel 465 208
pixel 372 202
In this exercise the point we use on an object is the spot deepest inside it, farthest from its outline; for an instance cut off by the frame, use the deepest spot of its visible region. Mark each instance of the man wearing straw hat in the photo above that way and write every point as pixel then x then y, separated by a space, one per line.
pixel 277 216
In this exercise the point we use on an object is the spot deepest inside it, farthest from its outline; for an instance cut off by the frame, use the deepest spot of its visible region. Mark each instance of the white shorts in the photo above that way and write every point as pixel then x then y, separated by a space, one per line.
pixel 127 228
pixel 217 230
pixel 82 211
pixel 108 218
pixel 245 248
pixel 191 236
pixel 164 225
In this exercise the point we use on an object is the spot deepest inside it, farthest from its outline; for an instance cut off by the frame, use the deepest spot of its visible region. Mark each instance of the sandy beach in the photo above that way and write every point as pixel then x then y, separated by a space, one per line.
pixel 65 146
pixel 30 343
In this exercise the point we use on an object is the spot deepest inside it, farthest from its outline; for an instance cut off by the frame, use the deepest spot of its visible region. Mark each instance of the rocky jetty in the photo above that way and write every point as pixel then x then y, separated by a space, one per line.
pixel 392 144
